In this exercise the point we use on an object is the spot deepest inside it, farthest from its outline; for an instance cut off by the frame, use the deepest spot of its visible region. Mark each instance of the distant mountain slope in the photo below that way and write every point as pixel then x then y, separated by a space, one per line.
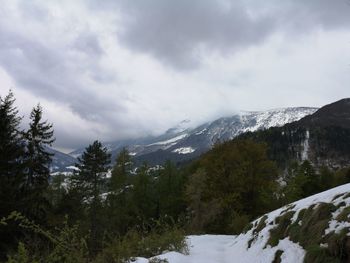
pixel 334 114
pixel 314 229
pixel 322 137
pixel 191 143
pixel 60 161
pixel 182 142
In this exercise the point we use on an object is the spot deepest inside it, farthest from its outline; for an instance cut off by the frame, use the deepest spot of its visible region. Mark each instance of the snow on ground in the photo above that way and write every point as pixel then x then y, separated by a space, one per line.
pixel 228 249
pixel 184 150
pixel 225 249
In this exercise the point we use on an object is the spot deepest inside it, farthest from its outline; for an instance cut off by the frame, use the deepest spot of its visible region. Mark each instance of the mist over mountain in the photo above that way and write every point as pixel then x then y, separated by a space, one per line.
pixel 183 142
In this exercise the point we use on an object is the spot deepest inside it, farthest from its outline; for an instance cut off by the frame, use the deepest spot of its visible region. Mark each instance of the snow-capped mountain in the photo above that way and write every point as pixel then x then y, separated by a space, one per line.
pixel 183 142
pixel 314 229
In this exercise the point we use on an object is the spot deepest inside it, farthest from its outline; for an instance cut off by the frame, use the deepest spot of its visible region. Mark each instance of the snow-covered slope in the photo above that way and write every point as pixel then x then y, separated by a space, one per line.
pixel 320 222
pixel 184 142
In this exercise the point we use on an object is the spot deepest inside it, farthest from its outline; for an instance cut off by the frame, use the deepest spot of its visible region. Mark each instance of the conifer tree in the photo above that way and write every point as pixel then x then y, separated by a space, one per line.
pixel 119 197
pixel 11 167
pixel 170 188
pixel 121 170
pixel 38 137
pixel 90 180
pixel 143 194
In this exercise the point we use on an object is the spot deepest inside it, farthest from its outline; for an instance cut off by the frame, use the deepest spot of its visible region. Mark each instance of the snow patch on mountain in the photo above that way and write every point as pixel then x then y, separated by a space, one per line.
pixel 184 150
pixel 274 118
pixel 170 141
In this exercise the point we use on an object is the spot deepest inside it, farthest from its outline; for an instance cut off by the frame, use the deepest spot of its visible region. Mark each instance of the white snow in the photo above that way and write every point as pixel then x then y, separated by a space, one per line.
pixel 170 141
pixel 227 249
pixel 275 117
pixel 201 132
pixel 336 226
pixel 72 168
pixel 184 150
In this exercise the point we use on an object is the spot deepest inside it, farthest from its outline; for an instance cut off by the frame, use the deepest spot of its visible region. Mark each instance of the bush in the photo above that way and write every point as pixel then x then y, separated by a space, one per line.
pixel 145 243
pixel 64 245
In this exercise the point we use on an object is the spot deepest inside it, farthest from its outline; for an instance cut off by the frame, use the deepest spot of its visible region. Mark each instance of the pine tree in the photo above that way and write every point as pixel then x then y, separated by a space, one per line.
pixel 90 180
pixel 38 137
pixel 119 193
pixel 143 194
pixel 121 170
pixel 170 188
pixel 11 167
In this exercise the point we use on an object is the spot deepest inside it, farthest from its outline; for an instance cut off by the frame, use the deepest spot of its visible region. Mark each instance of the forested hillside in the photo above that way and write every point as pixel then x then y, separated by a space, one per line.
pixel 323 138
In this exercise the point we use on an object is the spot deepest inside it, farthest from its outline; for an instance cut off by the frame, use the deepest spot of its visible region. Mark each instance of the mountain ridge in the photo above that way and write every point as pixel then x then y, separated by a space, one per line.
pixel 181 142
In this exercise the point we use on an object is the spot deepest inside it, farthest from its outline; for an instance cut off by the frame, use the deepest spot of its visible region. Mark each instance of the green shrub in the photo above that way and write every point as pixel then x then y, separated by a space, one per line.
pixel 22 255
pixel 140 243
pixel 317 254
pixel 238 224
pixel 64 245
pixel 344 215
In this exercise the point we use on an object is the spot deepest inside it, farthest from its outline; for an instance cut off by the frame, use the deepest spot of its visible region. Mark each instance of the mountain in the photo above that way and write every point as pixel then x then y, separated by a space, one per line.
pixel 323 138
pixel 182 143
pixel 61 162
pixel 334 114
pixel 314 229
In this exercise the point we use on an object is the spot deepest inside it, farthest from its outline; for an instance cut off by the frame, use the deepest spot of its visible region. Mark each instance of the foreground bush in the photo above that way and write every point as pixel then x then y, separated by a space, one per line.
pixel 145 243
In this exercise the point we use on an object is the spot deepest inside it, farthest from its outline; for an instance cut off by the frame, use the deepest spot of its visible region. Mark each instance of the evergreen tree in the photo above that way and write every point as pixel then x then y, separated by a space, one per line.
pixel 170 186
pixel 143 194
pixel 38 137
pixel 90 180
pixel 121 170
pixel 119 198
pixel 11 167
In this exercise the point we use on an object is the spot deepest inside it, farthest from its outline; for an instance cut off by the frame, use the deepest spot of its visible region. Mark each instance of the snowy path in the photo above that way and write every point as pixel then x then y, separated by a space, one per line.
pixel 205 248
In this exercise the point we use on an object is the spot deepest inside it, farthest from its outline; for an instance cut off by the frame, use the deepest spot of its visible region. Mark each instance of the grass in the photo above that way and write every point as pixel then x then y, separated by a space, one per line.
pixel 281 230
pixel 257 228
pixel 313 222
pixel 278 255
pixel 308 231
pixel 344 215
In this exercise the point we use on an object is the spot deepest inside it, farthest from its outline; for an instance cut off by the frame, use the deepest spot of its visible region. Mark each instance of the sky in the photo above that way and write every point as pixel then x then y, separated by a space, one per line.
pixel 118 69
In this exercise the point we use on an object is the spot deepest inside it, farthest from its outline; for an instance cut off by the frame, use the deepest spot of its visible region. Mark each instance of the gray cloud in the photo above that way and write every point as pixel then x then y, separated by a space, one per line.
pixel 53 73
pixel 121 68
pixel 179 32
pixel 175 31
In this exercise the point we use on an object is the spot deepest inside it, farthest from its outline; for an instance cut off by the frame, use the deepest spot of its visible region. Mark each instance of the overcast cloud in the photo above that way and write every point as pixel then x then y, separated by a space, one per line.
pixel 111 70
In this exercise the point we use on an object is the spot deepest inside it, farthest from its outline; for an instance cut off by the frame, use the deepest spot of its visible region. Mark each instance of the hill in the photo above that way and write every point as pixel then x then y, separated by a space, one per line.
pixel 314 229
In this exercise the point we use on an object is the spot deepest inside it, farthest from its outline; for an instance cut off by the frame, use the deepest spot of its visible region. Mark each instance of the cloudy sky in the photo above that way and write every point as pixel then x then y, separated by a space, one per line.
pixel 117 69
